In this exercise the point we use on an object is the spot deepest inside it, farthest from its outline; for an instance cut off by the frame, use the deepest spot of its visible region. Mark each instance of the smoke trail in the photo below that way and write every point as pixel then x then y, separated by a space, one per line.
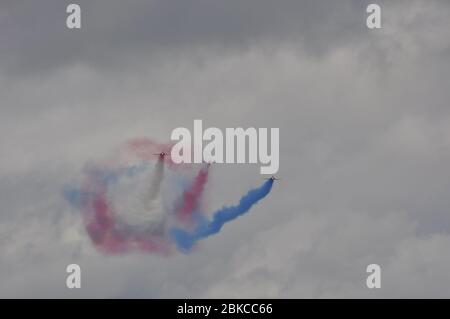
pixel 123 208
pixel 137 200
pixel 100 226
pixel 108 233
pixel 155 182
pixel 109 237
pixel 192 195
pixel 185 240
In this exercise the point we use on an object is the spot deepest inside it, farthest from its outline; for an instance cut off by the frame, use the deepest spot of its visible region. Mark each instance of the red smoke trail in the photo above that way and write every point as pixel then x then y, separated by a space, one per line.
pixel 108 238
pixel 100 225
pixel 192 196
pixel 102 228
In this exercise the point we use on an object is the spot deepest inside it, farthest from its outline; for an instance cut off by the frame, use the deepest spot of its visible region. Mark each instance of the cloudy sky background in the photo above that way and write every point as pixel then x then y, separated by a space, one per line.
pixel 364 124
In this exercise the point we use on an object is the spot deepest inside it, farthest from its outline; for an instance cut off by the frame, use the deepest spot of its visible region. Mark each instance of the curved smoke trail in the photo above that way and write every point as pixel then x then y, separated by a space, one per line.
pixel 108 232
pixel 185 240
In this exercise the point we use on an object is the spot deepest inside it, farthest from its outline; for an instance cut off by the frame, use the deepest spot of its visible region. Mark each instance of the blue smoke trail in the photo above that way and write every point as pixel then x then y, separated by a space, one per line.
pixel 185 240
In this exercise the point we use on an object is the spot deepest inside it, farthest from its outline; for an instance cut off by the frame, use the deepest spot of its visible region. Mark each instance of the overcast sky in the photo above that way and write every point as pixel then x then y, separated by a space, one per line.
pixel 364 122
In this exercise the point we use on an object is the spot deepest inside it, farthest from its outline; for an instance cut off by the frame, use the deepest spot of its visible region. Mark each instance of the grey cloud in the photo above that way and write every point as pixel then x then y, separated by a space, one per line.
pixel 114 33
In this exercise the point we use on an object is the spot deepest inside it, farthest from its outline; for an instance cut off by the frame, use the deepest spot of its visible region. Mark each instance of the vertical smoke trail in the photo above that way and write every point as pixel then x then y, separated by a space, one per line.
pixel 192 195
pixel 155 182
pixel 185 240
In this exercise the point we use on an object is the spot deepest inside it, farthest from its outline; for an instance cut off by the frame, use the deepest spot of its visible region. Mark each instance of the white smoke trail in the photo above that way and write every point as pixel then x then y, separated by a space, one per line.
pixel 155 183
pixel 137 200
